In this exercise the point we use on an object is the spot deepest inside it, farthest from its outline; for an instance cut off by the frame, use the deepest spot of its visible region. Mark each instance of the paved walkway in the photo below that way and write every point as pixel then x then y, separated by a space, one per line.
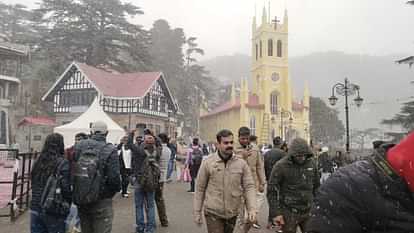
pixel 179 209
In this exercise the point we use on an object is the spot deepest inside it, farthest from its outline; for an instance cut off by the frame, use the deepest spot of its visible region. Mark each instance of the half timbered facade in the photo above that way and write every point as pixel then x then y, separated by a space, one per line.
pixel 133 100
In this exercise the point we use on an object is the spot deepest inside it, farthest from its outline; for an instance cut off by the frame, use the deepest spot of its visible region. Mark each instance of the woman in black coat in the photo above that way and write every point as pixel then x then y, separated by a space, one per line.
pixel 50 161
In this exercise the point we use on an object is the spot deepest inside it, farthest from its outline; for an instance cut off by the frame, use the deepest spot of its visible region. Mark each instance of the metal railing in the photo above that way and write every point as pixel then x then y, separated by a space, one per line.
pixel 21 183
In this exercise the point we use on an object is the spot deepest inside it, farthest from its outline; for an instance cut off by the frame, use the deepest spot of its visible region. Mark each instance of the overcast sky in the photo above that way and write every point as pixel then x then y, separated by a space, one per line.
pixel 223 27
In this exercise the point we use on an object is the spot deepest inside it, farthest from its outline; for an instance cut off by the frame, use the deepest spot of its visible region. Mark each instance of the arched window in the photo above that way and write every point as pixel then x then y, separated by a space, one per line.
pixel 270 47
pixel 257 51
pixel 261 47
pixel 273 103
pixel 279 48
pixel 253 125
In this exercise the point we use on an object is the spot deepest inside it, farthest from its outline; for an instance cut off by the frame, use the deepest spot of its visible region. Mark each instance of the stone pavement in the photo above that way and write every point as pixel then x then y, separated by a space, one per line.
pixel 179 209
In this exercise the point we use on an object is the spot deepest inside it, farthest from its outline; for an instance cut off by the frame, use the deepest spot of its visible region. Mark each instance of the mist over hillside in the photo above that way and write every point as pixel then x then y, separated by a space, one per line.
pixel 384 84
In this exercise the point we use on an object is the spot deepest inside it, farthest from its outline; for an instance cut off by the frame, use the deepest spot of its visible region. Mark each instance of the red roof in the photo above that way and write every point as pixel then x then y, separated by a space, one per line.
pixel 37 121
pixel 132 85
pixel 227 106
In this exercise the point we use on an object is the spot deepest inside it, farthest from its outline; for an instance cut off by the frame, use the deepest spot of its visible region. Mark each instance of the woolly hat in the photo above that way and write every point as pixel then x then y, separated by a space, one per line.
pixel 401 158
pixel 299 146
pixel 99 127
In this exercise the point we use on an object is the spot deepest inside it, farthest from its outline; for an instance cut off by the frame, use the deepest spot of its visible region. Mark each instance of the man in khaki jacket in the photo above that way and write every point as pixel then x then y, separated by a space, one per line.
pixel 251 154
pixel 221 182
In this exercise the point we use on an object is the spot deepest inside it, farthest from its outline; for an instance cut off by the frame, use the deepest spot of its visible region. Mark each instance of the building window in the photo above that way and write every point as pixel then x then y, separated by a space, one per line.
pixel 279 48
pixel 253 125
pixel 261 46
pixel 257 51
pixel 270 47
pixel 157 129
pixel 273 103
pixel 147 99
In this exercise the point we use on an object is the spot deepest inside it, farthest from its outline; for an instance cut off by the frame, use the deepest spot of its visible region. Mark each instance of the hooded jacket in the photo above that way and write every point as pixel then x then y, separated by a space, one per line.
pixel 292 186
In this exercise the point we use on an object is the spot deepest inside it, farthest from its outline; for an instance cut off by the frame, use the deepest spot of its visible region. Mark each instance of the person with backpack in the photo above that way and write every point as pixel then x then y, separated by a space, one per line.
pixel 51 192
pixel 193 163
pixel 146 175
pixel 96 180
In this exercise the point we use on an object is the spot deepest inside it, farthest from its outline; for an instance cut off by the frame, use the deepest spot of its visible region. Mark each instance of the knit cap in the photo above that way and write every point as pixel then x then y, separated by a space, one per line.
pixel 299 146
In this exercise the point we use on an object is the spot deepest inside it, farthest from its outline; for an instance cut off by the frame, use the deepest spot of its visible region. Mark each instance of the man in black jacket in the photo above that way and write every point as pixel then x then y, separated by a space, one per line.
pixel 292 185
pixel 272 156
pixel 97 217
pixel 373 195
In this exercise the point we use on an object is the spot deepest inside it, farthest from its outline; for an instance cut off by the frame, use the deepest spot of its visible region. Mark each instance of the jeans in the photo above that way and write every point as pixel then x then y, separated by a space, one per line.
pixel 170 168
pixel 144 201
pixel 40 223
pixel 192 183
pixel 73 218
pixel 96 217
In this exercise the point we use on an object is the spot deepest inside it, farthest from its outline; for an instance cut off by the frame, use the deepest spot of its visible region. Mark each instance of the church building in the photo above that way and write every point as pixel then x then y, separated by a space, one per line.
pixel 268 107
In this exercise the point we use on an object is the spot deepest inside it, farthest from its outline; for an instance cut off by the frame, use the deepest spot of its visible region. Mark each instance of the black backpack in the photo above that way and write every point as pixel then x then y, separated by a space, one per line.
pixel 52 202
pixel 88 172
pixel 151 173
pixel 196 157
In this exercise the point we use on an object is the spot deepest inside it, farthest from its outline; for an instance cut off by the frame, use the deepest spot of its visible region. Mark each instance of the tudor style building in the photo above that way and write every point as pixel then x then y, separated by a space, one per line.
pixel 133 100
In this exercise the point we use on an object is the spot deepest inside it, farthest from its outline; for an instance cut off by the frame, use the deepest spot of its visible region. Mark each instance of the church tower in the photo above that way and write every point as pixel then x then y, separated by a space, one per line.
pixel 270 69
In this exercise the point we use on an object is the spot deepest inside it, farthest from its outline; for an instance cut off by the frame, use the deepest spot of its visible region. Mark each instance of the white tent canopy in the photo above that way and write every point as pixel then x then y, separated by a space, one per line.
pixel 83 122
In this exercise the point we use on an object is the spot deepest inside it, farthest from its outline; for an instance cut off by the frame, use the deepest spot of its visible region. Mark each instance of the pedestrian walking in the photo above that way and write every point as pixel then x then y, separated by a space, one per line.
pixel 172 145
pixel 251 154
pixel 146 176
pixel 163 164
pixel 125 165
pixel 292 186
pixel 193 162
pixel 96 180
pixel 221 182
pixel 325 164
pixel 73 220
pixel 270 159
pixel 51 192
pixel 374 195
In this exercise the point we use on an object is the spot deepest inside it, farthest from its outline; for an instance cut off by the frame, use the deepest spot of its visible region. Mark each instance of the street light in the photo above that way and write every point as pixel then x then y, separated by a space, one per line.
pixel 281 121
pixel 346 89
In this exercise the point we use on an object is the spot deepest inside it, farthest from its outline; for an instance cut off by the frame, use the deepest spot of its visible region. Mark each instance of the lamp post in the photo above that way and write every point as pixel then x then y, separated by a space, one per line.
pixel 281 121
pixel 346 89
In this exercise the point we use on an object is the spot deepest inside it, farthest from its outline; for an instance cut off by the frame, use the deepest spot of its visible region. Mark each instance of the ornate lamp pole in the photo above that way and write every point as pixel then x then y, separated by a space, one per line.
pixel 346 89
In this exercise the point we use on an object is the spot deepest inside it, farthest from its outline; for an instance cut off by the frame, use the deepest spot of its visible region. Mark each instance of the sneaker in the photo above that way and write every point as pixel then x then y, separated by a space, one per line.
pixel 256 226
pixel 125 195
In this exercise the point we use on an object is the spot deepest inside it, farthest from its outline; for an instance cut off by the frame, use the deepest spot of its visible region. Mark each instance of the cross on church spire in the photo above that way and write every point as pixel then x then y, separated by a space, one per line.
pixel 275 21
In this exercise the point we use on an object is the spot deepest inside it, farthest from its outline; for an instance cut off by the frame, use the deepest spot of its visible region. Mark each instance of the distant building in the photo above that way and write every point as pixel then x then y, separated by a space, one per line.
pixel 268 107
pixel 133 100
pixel 12 57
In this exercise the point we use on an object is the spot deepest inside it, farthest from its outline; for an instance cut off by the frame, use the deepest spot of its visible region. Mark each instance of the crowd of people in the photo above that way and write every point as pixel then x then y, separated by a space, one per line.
pixel 305 187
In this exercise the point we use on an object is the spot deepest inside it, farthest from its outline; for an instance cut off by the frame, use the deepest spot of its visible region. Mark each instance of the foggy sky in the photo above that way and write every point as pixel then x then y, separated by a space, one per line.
pixel 223 27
